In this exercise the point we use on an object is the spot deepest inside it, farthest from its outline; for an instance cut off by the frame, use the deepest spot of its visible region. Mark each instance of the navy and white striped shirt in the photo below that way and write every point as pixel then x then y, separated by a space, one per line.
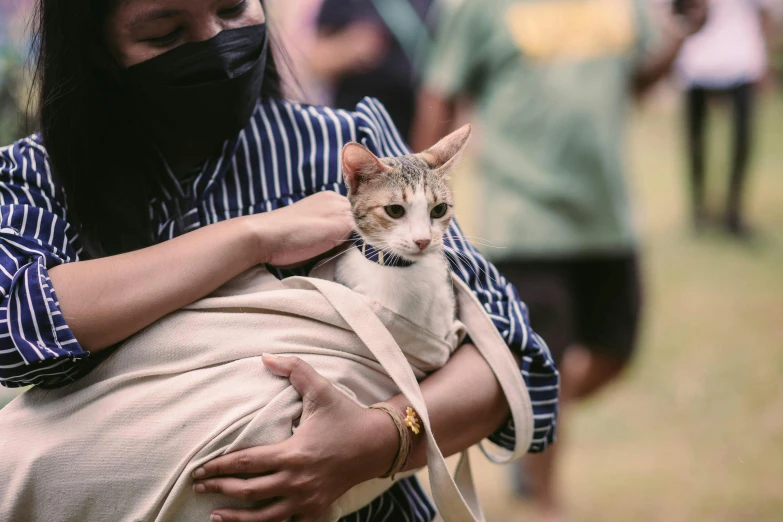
pixel 286 152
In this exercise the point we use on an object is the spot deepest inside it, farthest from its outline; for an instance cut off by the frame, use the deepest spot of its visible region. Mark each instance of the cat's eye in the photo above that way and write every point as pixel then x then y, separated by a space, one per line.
pixel 395 211
pixel 439 211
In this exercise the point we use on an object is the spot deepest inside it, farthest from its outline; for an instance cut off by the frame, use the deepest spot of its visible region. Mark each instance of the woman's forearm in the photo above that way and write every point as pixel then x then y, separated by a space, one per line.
pixel 106 300
pixel 465 404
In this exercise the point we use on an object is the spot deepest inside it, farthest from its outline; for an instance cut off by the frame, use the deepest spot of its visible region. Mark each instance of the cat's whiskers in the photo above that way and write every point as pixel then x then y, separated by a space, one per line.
pixel 469 262
pixel 487 246
pixel 455 267
pixel 481 241
pixel 394 257
pixel 474 240
pixel 349 239
pixel 388 252
pixel 321 263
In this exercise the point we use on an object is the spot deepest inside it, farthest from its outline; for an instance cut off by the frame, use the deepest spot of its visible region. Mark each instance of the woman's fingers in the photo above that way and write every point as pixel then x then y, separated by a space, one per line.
pixel 310 384
pixel 249 490
pixel 316 465
pixel 276 512
pixel 306 229
pixel 260 459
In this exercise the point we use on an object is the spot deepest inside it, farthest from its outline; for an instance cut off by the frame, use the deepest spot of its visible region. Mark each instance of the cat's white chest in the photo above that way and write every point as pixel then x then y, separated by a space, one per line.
pixel 421 293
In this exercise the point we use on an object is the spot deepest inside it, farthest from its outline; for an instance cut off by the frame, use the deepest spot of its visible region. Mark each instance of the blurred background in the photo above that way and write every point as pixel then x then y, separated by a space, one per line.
pixel 693 429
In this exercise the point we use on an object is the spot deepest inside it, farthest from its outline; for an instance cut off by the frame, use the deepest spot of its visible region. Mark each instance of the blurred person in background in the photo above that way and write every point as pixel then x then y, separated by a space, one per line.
pixel 551 81
pixel 727 58
pixel 371 48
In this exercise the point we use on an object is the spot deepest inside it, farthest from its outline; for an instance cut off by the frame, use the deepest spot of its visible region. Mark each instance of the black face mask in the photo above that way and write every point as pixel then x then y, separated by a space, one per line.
pixel 194 97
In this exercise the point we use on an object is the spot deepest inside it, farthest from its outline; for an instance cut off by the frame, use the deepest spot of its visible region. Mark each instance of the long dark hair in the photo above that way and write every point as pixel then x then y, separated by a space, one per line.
pixel 106 167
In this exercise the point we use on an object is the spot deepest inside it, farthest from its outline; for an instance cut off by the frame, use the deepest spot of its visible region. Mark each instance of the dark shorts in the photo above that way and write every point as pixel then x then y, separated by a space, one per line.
pixel 593 301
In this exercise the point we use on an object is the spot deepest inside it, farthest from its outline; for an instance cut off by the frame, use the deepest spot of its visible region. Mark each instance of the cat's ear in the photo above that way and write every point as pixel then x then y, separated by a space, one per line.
pixel 442 156
pixel 360 165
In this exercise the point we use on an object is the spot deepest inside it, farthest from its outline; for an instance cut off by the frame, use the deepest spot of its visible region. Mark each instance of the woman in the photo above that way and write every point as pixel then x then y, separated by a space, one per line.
pixel 168 164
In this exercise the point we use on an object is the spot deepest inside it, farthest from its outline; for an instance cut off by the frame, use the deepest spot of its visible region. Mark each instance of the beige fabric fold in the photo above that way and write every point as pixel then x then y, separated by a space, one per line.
pixel 121 443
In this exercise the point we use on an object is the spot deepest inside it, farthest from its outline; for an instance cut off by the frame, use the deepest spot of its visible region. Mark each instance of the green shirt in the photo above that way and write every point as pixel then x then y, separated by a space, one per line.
pixel 551 81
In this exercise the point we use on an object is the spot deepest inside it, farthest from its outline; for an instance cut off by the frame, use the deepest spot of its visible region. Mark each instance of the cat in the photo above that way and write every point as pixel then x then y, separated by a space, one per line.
pixel 402 208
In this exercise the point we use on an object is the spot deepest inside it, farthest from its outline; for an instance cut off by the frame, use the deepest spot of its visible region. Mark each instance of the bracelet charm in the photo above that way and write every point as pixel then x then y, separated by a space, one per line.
pixel 411 421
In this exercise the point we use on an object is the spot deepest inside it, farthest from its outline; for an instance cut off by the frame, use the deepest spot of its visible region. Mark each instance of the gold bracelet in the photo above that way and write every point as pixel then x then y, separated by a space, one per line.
pixel 402 421
pixel 410 420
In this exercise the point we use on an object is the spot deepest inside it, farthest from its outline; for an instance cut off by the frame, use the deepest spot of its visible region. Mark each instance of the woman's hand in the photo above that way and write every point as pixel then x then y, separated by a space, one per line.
pixel 304 230
pixel 338 444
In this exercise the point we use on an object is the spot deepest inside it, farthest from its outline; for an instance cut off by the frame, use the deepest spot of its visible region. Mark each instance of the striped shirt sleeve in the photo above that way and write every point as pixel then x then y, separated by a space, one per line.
pixel 499 298
pixel 36 345
pixel 509 315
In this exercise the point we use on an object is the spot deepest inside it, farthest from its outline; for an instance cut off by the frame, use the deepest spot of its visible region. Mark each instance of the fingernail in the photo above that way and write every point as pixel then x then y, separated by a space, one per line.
pixel 216 518
pixel 199 488
pixel 200 472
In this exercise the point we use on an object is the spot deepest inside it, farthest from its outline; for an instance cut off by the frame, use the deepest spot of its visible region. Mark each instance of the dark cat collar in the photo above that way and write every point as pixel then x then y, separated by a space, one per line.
pixel 382 257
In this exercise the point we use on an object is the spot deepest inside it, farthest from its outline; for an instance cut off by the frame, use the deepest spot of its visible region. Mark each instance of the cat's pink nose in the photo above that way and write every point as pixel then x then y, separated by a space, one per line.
pixel 422 243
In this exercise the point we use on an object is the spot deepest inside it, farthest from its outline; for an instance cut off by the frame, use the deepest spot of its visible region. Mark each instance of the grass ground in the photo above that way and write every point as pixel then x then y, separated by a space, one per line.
pixel 694 431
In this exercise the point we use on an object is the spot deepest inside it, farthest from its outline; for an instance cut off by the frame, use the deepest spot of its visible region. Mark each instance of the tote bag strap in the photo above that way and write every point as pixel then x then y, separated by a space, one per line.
pixel 451 504
pixel 456 498
pixel 495 352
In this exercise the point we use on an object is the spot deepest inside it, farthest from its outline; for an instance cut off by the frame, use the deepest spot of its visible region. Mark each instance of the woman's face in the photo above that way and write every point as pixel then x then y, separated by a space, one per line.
pixel 138 30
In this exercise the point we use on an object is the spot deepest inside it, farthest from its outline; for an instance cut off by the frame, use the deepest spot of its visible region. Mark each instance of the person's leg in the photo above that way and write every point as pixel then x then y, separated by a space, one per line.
pixel 695 116
pixel 603 301
pixel 584 372
pixel 742 98
pixel 607 314
pixel 545 288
